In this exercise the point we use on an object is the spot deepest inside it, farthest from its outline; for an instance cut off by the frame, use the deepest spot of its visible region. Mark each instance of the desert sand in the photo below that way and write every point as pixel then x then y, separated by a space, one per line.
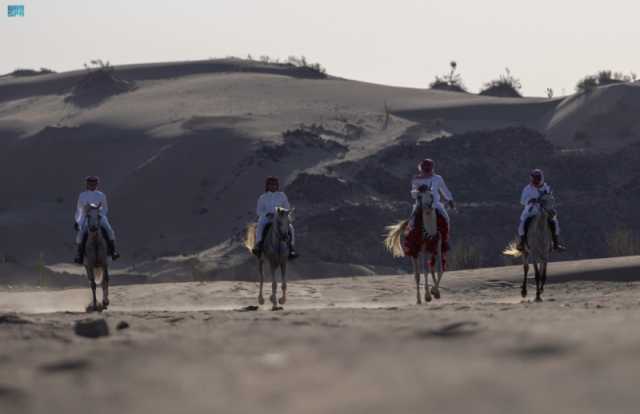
pixel 344 345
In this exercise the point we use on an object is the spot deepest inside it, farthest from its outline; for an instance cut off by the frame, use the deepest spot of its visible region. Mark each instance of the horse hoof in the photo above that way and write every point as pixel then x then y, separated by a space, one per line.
pixel 427 298
pixel 260 300
pixel 523 292
pixel 538 299
pixel 282 300
pixel 91 308
pixel 273 300
pixel 435 293
pixel 419 302
pixel 276 308
pixel 105 303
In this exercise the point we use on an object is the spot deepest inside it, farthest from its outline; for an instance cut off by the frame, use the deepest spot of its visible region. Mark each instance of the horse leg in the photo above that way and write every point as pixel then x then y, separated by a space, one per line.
pixel 427 270
pixel 537 269
pixel 93 306
pixel 261 271
pixel 274 288
pixel 543 276
pixel 437 269
pixel 416 275
pixel 105 288
pixel 525 265
pixel 283 271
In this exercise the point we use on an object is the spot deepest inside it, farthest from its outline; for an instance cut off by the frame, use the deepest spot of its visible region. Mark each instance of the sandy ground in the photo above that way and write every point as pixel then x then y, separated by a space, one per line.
pixel 341 345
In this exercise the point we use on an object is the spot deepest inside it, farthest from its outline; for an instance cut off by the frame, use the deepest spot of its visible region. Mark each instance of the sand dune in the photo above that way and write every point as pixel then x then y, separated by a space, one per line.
pixel 182 155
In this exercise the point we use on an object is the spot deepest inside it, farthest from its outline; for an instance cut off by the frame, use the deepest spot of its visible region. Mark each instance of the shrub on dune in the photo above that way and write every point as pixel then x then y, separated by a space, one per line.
pixel 506 86
pixel 451 81
pixel 604 77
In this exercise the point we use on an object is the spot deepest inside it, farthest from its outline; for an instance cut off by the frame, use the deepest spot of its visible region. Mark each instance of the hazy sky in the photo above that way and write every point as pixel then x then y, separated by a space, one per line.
pixel 545 43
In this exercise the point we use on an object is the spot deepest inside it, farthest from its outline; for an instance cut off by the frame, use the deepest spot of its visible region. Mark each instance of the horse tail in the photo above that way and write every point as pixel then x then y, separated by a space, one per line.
pixel 392 241
pixel 250 236
pixel 511 250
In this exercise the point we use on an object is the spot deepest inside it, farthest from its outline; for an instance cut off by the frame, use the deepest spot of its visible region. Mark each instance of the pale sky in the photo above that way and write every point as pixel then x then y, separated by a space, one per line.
pixel 545 43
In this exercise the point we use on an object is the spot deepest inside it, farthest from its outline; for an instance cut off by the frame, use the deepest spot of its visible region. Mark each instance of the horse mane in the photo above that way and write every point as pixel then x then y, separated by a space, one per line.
pixel 250 236
pixel 392 241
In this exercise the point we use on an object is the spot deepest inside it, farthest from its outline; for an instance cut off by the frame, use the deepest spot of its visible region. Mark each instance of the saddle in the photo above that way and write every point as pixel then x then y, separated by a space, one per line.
pixel 527 223
pixel 414 236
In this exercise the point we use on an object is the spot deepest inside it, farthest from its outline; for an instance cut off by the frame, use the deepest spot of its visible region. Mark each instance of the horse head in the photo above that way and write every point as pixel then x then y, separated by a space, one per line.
pixel 92 212
pixel 426 199
pixel 548 203
pixel 282 219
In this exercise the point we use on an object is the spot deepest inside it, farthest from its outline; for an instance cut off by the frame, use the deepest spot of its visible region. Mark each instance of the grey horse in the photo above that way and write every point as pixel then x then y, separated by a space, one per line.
pixel 538 246
pixel 96 260
pixel 275 252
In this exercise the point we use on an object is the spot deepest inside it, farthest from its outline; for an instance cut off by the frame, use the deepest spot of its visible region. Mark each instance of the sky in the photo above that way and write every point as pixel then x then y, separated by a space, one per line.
pixel 544 43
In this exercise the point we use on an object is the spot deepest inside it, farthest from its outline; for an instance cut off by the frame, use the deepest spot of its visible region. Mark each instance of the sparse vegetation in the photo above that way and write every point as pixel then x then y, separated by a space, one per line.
pixel 623 242
pixel 99 83
pixel 301 62
pixel 605 77
pixel 549 93
pixel 506 86
pixel 451 81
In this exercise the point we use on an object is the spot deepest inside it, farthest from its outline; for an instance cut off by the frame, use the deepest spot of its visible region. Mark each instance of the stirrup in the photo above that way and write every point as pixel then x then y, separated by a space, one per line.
pixel 293 255
pixel 559 247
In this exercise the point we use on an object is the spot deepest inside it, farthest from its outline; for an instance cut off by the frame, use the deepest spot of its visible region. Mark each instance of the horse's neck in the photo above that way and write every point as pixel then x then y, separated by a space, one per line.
pixel 430 222
pixel 539 235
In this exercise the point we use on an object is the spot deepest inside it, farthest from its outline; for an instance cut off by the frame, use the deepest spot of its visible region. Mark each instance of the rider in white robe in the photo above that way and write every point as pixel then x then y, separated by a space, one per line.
pixel 86 198
pixel 529 200
pixel 426 179
pixel 265 210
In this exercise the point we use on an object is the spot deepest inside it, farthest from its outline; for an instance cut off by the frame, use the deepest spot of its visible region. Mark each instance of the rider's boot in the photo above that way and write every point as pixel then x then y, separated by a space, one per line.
pixel 111 245
pixel 557 246
pixel 292 252
pixel 79 259
pixel 554 237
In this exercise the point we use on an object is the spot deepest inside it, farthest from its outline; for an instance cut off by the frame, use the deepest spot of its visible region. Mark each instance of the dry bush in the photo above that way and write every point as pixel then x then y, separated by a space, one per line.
pixel 622 242
pixel 604 77
pixel 451 81
pixel 506 86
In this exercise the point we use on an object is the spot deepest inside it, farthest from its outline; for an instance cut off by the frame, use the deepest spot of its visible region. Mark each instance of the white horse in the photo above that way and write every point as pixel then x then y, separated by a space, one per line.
pixel 96 260
pixel 431 248
pixel 538 246
pixel 275 251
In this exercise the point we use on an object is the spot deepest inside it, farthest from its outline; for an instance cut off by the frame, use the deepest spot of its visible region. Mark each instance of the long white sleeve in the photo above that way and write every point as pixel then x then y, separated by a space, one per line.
pixel 415 183
pixel 444 189
pixel 285 201
pixel 261 208
pixel 524 198
pixel 79 210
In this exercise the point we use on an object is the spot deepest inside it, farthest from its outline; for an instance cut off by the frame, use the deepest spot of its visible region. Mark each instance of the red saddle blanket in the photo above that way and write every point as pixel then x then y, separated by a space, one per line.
pixel 414 237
